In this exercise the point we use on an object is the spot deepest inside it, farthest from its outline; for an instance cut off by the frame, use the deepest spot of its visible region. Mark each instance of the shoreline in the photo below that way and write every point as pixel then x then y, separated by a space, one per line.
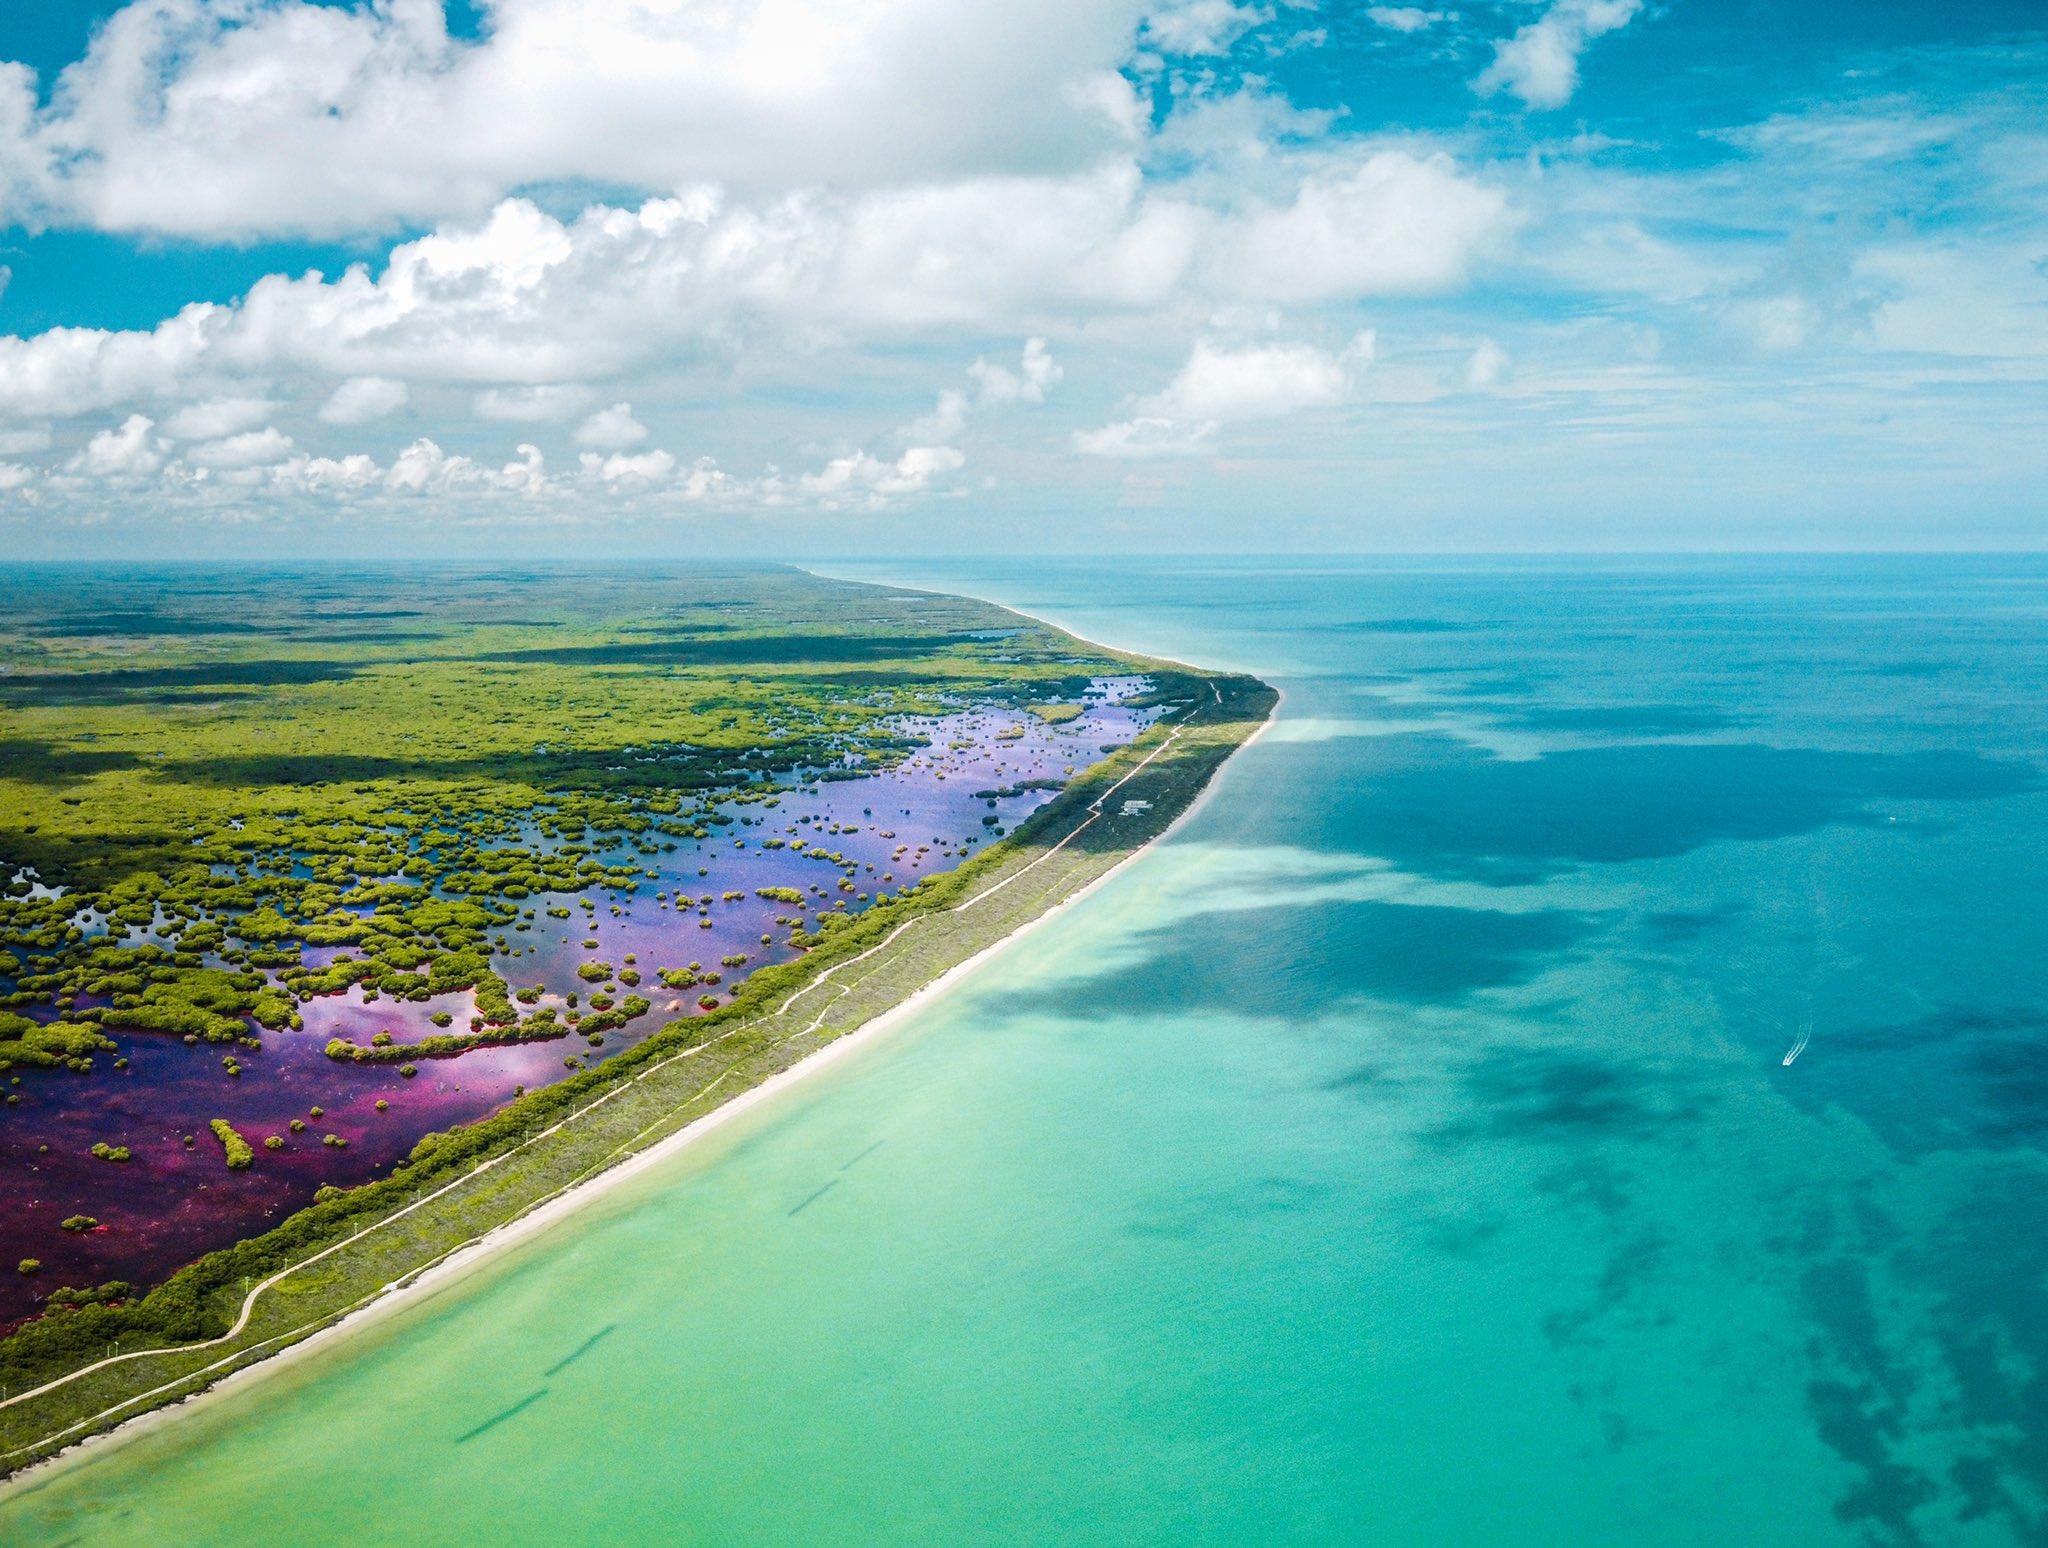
pixel 473 1256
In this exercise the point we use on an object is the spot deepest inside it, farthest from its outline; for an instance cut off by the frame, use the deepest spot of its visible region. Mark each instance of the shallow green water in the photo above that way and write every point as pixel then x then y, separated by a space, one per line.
pixel 1401 1154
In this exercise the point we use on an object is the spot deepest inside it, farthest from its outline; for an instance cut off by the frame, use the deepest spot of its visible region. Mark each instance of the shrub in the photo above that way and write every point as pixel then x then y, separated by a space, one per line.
pixel 238 1152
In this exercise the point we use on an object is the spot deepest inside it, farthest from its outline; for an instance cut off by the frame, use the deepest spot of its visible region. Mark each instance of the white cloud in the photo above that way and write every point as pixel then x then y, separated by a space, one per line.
pixel 201 118
pixel 995 386
pixel 943 424
pixel 1146 437
pixel 612 429
pixel 1201 26
pixel 424 468
pixel 1036 375
pixel 327 475
pixel 1224 384
pixel 1405 18
pixel 15 478
pixel 1488 366
pixel 254 468
pixel 531 405
pixel 630 470
pixel 34 438
pixel 76 370
pixel 861 479
pixel 1392 224
pixel 363 399
pixel 217 417
pixel 1540 63
pixel 122 454
pixel 529 305
pixel 1259 381
pixel 251 449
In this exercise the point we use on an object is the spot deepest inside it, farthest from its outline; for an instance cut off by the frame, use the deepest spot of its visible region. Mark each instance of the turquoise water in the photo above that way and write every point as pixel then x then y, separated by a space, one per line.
pixel 1403 1153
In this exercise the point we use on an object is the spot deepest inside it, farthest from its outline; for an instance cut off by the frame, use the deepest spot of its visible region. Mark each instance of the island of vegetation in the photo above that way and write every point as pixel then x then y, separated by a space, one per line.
pixel 367 888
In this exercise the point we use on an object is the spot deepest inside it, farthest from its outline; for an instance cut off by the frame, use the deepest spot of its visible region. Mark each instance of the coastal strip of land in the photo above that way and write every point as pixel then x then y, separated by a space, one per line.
pixel 496 1182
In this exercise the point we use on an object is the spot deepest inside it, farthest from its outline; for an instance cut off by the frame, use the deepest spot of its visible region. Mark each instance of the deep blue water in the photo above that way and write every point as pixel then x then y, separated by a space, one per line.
pixel 1405 1152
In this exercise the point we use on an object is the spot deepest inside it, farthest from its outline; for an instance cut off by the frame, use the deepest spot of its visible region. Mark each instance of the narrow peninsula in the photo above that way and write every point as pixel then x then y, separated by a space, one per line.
pixel 354 919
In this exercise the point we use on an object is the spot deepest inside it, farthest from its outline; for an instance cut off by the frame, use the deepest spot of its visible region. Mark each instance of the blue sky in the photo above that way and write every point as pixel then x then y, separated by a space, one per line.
pixel 790 276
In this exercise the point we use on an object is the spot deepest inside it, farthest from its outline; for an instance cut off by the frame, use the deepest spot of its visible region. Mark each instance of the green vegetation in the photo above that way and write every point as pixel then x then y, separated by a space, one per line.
pixel 386 790
pixel 381 767
pixel 68 1046
pixel 1058 714
pixel 238 1152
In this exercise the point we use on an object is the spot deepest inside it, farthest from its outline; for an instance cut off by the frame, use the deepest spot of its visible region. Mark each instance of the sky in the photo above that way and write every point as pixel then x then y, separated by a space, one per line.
pixel 801 277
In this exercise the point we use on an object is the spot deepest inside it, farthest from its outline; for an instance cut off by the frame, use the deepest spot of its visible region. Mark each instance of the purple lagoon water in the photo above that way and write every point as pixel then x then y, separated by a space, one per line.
pixel 174 1201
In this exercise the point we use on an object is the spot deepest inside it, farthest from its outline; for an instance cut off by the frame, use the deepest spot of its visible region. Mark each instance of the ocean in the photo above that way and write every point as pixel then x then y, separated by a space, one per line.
pixel 1581 1077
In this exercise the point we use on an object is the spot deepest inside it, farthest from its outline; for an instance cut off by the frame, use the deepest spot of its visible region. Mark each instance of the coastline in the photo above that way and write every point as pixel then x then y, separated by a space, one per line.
pixel 472 1256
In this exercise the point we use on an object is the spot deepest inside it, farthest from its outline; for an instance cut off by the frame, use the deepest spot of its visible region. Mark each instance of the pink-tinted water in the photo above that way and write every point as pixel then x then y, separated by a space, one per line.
pixel 172 1202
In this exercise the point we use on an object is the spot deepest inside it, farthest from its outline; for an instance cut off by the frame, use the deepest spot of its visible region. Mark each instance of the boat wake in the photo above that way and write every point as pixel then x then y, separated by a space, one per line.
pixel 1798 1048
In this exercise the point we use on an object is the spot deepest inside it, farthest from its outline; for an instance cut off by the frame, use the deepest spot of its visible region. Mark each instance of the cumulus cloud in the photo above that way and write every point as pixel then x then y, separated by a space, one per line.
pixel 1259 381
pixel 637 470
pixel 943 424
pixel 861 479
pixel 243 470
pixel 202 119
pixel 327 475
pixel 363 399
pixel 67 371
pixel 217 417
pixel 803 180
pixel 1540 63
pixel 1223 384
pixel 424 468
pixel 128 452
pixel 611 429
pixel 1391 224
pixel 1035 376
pixel 252 448
pixel 995 386
pixel 527 303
